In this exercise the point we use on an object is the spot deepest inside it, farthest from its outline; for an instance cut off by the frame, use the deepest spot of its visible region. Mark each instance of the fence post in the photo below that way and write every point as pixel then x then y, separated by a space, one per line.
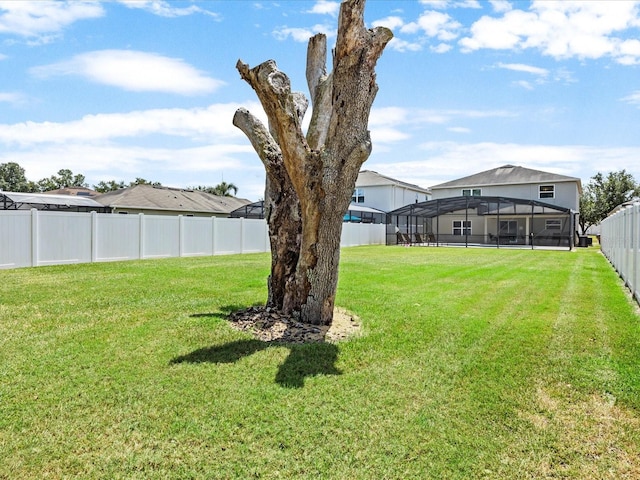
pixel 241 235
pixel 94 236
pixel 267 240
pixel 213 235
pixel 180 236
pixel 141 236
pixel 34 238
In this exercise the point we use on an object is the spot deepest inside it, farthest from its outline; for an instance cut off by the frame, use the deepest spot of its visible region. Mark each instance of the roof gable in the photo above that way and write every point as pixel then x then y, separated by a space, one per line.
pixel 508 175
pixel 369 178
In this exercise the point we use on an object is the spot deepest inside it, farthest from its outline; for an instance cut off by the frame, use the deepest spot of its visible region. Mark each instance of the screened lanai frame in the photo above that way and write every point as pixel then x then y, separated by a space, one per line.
pixel 355 213
pixel 483 221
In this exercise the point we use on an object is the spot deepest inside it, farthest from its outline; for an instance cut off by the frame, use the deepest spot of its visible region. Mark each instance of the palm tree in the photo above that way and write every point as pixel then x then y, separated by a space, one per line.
pixel 224 189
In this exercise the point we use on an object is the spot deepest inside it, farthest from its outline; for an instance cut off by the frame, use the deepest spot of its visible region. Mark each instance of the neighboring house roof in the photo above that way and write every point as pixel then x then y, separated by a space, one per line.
pixel 76 191
pixel 369 178
pixel 149 197
pixel 508 175
pixel 43 201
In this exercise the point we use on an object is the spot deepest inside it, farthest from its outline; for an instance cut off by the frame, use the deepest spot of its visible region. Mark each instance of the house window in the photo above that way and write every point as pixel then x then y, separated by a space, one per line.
pixel 553 224
pixel 547 191
pixel 358 196
pixel 462 227
pixel 471 192
pixel 508 227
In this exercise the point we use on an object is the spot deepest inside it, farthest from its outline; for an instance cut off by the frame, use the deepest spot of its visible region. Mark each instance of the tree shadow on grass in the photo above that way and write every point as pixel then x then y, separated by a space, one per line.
pixel 304 360
pixel 222 314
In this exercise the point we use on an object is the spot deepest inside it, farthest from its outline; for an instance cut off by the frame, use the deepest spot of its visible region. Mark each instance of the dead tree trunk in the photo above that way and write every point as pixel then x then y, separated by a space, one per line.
pixel 321 168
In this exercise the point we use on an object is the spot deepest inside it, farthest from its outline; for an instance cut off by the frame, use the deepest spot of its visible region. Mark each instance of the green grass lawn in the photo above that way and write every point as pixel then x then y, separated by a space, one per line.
pixel 473 363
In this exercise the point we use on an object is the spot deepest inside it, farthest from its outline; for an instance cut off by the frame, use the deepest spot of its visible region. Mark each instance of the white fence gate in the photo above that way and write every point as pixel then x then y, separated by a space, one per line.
pixel 620 243
pixel 35 237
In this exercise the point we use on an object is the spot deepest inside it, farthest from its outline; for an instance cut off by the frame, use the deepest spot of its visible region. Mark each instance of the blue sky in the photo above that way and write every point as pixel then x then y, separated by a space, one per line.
pixel 125 89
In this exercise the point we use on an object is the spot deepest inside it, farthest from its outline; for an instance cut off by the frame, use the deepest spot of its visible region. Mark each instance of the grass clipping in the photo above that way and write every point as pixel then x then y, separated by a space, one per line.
pixel 269 325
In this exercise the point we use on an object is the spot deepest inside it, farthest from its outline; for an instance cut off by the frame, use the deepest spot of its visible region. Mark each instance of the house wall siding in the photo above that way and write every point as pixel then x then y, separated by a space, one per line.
pixel 390 197
pixel 566 193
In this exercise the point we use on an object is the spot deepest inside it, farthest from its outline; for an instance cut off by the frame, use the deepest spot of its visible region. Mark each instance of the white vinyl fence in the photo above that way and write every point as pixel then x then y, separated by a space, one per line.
pixel 30 238
pixel 620 243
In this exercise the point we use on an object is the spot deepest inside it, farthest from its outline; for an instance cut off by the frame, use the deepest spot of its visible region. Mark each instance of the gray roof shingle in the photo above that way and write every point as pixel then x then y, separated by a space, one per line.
pixel 507 175
pixel 369 178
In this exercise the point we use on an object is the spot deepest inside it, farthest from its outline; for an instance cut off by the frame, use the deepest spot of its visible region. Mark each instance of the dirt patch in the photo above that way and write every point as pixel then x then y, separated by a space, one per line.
pixel 269 325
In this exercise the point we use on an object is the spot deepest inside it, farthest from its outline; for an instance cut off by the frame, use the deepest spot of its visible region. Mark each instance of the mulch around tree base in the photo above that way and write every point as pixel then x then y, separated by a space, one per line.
pixel 269 325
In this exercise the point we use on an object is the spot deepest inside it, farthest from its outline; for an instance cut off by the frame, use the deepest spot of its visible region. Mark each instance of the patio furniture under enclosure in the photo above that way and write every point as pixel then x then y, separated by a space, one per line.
pixel 483 221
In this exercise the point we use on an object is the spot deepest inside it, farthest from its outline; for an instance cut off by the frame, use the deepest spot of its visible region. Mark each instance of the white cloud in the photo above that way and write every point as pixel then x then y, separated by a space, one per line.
pixel 441 48
pixel 325 7
pixel 446 116
pixel 134 71
pixel 524 84
pixel 468 4
pixel 585 30
pixel 439 25
pixel 303 34
pixel 11 97
pixel 391 22
pixel 403 46
pixel 394 124
pixel 163 8
pixel 629 51
pixel 459 130
pixel 387 124
pixel 42 18
pixel 520 67
pixel 442 4
pixel 498 34
pixel 501 6
pixel 633 99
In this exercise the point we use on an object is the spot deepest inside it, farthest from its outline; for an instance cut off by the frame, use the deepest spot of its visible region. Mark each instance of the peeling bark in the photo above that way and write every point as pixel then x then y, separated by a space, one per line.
pixel 319 170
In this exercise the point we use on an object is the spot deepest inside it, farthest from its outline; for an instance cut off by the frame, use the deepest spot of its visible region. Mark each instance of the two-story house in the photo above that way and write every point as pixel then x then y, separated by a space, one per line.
pixel 509 205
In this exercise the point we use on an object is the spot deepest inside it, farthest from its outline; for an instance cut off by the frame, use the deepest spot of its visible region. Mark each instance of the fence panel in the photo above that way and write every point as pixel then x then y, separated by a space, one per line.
pixel 117 237
pixel 68 238
pixel 355 234
pixel 160 236
pixel 620 243
pixel 15 239
pixel 196 236
pixel 255 236
pixel 228 236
